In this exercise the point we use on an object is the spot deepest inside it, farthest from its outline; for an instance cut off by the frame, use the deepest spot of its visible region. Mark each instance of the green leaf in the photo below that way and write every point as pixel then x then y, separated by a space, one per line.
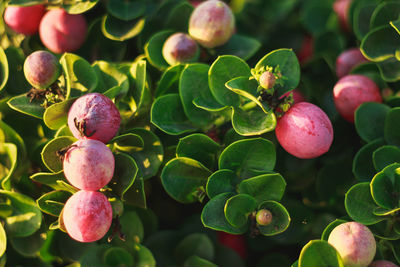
pixel 361 18
pixel 93 256
pixel 124 174
pixel 252 122
pixel 240 46
pixel 222 181
pixel 317 15
pixel 390 69
pixel 380 43
pixel 16 83
pixel 363 167
pixel 26 217
pixel 319 253
pixel 384 13
pixel 328 229
pixel 116 256
pixel 143 256
pixel 249 157
pixel 168 115
pixel 392 128
pixel 193 84
pixel 195 244
pixel 126 10
pixel 223 69
pixel 238 208
pixel 153 49
pixel 49 152
pixel 213 215
pixel 10 151
pixel 196 261
pixel 385 187
pixel 29 246
pixel 121 30
pixel 169 81
pixel 110 76
pixel 3 240
pixel 128 142
pixel 280 218
pixel 264 187
pixel 136 195
pixel 182 178
pixel 385 156
pixel 360 205
pixel 132 228
pixel 199 147
pixel 288 65
pixel 81 6
pixel 79 74
pixel 367 112
pixel 150 157
pixel 141 94
pixel 4 71
pixel 178 17
pixel 22 104
pixel 56 181
pixel 53 202
pixel 11 136
pixel 56 115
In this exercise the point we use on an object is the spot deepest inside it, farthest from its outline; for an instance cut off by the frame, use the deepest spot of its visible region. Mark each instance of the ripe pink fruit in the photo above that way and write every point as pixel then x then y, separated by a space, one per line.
pixel 305 131
pixel 24 19
pixel 347 60
pixel 382 263
pixel 62 32
pixel 180 48
pixel 89 164
pixel 341 7
pixel 235 242
pixel 212 23
pixel 87 216
pixel 94 116
pixel 354 242
pixel 41 69
pixel 353 90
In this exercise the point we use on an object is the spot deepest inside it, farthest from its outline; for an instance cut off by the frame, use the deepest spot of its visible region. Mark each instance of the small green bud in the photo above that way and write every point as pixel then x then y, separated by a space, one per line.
pixel 117 207
pixel 264 217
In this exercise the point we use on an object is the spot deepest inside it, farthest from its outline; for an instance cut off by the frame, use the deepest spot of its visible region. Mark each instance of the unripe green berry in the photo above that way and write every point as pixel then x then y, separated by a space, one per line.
pixel 267 80
pixel 264 217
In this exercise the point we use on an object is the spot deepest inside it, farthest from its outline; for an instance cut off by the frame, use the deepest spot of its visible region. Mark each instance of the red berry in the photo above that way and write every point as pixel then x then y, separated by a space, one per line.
pixel 212 23
pixel 235 242
pixel 353 90
pixel 62 32
pixel 180 48
pixel 347 60
pixel 41 69
pixel 305 131
pixel 87 216
pixel 89 164
pixel 24 19
pixel 94 116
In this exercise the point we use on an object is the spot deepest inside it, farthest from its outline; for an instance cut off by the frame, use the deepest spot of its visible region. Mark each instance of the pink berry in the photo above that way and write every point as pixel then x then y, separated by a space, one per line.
pixel 353 90
pixel 89 164
pixel 347 60
pixel 306 50
pixel 305 131
pixel 87 216
pixel 62 32
pixel 41 69
pixel 180 48
pixel 382 263
pixel 195 3
pixel 94 116
pixel 341 7
pixel 24 19
pixel 354 242
pixel 212 23
pixel 235 242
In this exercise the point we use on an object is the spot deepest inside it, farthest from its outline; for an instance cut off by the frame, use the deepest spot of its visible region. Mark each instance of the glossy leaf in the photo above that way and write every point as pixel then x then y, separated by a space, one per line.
pixel 195 244
pixel 385 187
pixel 78 7
pixel 223 69
pixel 56 181
pixel 363 167
pixel 125 172
pixel 328 229
pixel 126 10
pixel 240 46
pixel 178 17
pixel 248 158
pixel 360 205
pixel 110 76
pixel 196 261
pixel 319 253
pixel 153 49
pixel 222 181
pixel 280 218
pixel 182 178
pixel 53 202
pixel 380 43
pixel 238 208
pixel 264 187
pixel 169 81
pixel 392 128
pixel 385 156
pixel 384 13
pixel 252 122
pixel 367 112
pixel 3 240
pixel 22 104
pixel 143 256
pixel 9 151
pixel 127 142
pixel 16 83
pixel 4 71
pixel 116 256
pixel 49 152
pixel 121 30
pixel 389 69
pixel 56 115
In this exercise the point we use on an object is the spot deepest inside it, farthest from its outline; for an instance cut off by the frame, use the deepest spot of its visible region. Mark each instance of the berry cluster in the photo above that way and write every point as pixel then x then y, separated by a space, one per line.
pixel 89 165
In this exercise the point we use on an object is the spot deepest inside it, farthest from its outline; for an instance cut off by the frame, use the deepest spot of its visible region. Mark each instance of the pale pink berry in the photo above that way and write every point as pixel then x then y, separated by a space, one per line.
pixel 87 216
pixel 94 116
pixel 41 69
pixel 341 7
pixel 355 244
pixel 305 131
pixel 88 164
pixel 24 19
pixel 212 23
pixel 62 32
pixel 347 60
pixel 353 90
pixel 180 48
pixel 382 263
